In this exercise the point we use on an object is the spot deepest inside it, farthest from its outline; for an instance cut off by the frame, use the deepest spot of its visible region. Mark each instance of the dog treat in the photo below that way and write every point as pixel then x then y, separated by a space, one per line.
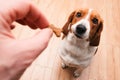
pixel 56 30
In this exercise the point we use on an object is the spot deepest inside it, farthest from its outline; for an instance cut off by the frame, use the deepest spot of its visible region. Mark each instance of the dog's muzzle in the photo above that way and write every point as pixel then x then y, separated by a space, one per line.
pixel 80 30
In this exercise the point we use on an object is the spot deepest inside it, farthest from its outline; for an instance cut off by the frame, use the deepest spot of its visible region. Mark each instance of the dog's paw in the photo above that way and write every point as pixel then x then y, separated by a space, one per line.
pixel 64 66
pixel 76 75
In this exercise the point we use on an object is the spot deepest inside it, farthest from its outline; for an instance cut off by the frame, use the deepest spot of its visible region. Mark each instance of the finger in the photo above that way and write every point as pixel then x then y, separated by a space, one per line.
pixel 39 42
pixel 36 19
pixel 23 22
pixel 12 26
pixel 33 17
pixel 25 11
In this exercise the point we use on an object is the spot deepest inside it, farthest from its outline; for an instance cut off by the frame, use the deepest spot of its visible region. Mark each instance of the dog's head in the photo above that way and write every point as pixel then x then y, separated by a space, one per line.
pixel 84 24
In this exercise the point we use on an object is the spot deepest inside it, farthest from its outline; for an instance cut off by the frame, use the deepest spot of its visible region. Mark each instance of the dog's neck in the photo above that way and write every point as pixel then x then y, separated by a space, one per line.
pixel 72 39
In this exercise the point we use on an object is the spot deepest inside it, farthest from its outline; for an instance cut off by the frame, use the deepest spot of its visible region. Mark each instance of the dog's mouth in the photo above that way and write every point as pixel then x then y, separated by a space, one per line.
pixel 78 36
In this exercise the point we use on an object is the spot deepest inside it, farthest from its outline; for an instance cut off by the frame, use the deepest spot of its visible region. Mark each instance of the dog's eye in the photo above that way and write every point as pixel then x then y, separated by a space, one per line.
pixel 95 20
pixel 78 14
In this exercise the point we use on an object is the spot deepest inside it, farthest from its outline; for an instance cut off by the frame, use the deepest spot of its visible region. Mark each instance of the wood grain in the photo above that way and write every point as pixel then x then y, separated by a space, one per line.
pixel 105 64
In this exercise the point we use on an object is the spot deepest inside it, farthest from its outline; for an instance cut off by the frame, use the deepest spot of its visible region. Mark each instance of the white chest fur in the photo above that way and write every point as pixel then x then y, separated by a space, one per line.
pixel 76 52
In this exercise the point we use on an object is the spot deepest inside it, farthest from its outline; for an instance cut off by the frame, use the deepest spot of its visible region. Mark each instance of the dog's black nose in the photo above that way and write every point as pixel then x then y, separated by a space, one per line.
pixel 80 29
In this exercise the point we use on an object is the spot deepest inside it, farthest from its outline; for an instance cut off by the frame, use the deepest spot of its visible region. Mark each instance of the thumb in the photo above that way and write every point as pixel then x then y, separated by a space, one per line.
pixel 39 42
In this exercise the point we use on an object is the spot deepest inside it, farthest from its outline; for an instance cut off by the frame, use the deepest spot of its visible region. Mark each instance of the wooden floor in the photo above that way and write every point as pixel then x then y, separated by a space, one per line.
pixel 105 64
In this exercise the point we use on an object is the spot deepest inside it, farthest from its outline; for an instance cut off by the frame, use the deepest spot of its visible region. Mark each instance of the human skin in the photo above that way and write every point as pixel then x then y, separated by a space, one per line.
pixel 16 55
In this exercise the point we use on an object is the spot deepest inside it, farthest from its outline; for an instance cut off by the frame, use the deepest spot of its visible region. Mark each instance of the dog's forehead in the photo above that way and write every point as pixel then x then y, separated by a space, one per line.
pixel 86 11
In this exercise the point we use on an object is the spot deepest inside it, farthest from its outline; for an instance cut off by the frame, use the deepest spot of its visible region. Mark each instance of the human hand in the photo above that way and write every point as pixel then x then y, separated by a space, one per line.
pixel 17 55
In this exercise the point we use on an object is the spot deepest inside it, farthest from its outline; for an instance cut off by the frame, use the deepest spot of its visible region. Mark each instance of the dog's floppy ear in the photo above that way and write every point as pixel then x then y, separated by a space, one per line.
pixel 95 39
pixel 65 28
pixel 56 30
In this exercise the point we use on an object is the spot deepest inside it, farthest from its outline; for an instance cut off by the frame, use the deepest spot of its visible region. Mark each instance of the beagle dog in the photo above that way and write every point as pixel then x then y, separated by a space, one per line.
pixel 81 38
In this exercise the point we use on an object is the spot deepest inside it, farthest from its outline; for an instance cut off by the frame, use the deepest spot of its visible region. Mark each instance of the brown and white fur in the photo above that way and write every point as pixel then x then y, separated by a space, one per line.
pixel 81 38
